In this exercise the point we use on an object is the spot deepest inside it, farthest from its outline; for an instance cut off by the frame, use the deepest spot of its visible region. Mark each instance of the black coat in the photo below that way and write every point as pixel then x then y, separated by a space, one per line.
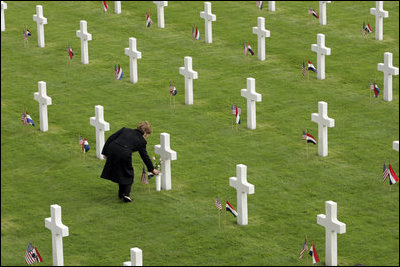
pixel 118 150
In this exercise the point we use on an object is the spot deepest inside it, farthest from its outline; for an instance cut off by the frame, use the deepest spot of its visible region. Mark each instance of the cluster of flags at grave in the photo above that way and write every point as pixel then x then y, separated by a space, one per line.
pixel 26 32
pixel 69 51
pixel 366 28
pixel 311 11
pixel 148 20
pixel 259 4
pixel 374 87
pixel 84 144
pixel 309 138
pixel 172 89
pixel 228 207
pixel 236 111
pixel 312 252
pixel 26 119
pixel 389 173
pixel 247 48
pixel 105 6
pixel 32 255
pixel 118 72
pixel 195 33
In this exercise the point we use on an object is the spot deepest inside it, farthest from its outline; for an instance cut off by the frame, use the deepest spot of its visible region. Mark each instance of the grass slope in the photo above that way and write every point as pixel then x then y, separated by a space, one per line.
pixel 180 227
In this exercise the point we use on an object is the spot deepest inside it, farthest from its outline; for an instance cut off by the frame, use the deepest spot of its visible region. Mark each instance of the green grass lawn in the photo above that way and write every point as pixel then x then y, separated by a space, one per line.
pixel 180 227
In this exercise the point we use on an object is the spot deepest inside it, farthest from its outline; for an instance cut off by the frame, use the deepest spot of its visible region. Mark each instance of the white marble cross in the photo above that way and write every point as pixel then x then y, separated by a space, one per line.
pixel 101 127
pixel 332 228
pixel 117 7
pixel 388 70
pixel 252 98
pixel 166 155
pixel 208 19
pixel 58 231
pixel 3 23
pixel 379 14
pixel 271 5
pixel 136 258
pixel 323 123
pixel 396 145
pixel 242 189
pixel 134 55
pixel 85 37
pixel 160 13
pixel 322 12
pixel 44 101
pixel 40 21
pixel 321 51
pixel 262 34
pixel 190 75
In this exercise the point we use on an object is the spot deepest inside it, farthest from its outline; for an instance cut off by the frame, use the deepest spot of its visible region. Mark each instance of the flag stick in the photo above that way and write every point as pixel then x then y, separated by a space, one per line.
pixel 307 142
pixel 219 219
pixel 174 103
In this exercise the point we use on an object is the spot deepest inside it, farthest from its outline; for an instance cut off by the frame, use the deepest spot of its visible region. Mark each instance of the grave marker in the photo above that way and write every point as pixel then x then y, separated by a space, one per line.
pixel 189 74
pixel 388 70
pixel 136 258
pixel 262 33
pixel 166 154
pixel 208 19
pixel 101 127
pixel 252 97
pixel 40 21
pixel 321 51
pixel 44 101
pixel 323 123
pixel 379 14
pixel 160 13
pixel 85 37
pixel 134 55
pixel 3 23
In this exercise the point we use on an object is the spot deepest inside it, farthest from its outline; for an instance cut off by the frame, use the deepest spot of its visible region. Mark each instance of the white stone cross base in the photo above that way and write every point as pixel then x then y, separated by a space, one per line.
pixel 396 145
pixel 166 155
pixel 117 7
pixel 136 258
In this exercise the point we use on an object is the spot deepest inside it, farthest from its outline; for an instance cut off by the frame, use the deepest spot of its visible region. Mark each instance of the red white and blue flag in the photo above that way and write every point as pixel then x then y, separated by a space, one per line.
pixel 234 110
pixel 23 119
pixel 249 49
pixel 85 145
pixel 385 173
pixel 29 119
pixel 237 114
pixel 197 36
pixel 172 89
pixel 218 204
pixel 376 90
pixel 231 209
pixel 26 33
pixel 311 67
pixel 148 20
pixel 392 176
pixel 70 53
pixel 118 72
pixel 311 11
pixel 309 138
pixel 368 28
pixel 303 249
pixel 105 6
pixel 32 255
pixel 313 253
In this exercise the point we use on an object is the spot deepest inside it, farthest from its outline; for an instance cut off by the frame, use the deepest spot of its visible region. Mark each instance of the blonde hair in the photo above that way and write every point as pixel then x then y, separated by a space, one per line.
pixel 145 127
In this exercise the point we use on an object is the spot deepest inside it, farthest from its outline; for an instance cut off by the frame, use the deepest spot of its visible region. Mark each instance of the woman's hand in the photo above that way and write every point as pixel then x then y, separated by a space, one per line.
pixel 156 172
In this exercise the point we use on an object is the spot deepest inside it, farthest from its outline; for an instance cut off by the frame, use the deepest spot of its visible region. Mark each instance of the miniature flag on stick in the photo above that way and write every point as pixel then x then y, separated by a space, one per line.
pixel 105 6
pixel 385 173
pixel 311 67
pixel 70 53
pixel 392 176
pixel 118 72
pixel 23 119
pixel 249 49
pixel 304 70
pixel 172 89
pixel 144 179
pixel 85 145
pixel 303 249
pixel 376 90
pixel 311 11
pixel 29 119
pixel 148 20
pixel 197 34
pixel 231 209
pixel 313 253
pixel 218 204
pixel 368 28
pixel 237 113
pixel 32 255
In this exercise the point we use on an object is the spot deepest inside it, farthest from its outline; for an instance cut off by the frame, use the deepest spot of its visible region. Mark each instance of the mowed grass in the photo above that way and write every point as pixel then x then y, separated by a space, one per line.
pixel 181 226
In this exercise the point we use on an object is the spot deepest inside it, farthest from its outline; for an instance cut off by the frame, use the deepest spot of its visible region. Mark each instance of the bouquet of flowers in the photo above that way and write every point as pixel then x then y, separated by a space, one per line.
pixel 157 165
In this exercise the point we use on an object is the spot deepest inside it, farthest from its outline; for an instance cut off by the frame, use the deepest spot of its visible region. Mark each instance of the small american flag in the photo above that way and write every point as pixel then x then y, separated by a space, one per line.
pixel 234 110
pixel 385 172
pixel 303 249
pixel 218 204
pixel 304 136
pixel 144 177
pixel 304 70
pixel 23 119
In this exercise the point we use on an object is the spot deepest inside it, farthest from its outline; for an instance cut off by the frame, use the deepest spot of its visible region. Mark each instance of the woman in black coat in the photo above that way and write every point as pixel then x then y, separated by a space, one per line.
pixel 118 152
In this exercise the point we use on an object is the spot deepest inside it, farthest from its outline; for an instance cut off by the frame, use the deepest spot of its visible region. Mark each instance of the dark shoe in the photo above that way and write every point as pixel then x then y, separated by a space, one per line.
pixel 127 199
pixel 120 196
